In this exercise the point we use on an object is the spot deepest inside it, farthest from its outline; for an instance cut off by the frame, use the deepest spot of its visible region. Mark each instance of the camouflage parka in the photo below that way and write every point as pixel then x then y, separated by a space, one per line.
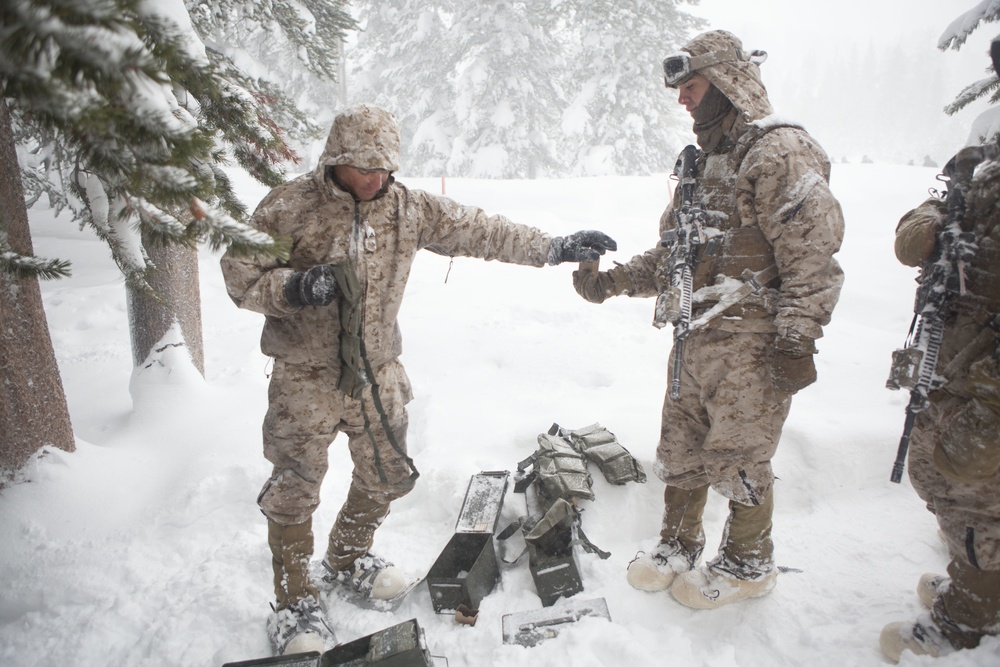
pixel 766 194
pixel 381 237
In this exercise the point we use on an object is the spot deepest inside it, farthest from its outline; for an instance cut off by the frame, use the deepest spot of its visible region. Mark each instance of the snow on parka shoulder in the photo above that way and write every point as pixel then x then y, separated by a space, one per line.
pixel 381 237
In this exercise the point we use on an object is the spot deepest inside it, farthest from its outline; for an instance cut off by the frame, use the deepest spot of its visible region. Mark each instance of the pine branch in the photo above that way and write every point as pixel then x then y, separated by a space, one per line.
pixel 102 85
pixel 23 267
pixel 242 240
pixel 973 92
pixel 956 34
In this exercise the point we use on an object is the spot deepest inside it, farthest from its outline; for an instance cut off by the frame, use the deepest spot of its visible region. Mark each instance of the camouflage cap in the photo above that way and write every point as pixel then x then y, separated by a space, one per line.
pixel 738 80
pixel 366 137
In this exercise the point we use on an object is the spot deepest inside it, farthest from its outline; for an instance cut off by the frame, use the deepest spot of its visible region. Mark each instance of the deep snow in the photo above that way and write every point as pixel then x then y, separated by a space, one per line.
pixel 145 547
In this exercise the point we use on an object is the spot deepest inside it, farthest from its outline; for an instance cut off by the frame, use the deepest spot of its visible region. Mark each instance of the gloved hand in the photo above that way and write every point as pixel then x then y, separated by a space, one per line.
pixel 916 233
pixel 792 366
pixel 584 246
pixel 315 287
pixel 596 286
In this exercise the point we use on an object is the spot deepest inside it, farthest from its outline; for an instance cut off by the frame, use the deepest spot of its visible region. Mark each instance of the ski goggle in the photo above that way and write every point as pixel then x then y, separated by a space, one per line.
pixel 678 67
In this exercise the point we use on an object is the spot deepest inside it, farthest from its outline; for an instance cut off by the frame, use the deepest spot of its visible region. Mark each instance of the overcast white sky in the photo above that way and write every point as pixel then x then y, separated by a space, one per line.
pixel 793 28
pixel 796 34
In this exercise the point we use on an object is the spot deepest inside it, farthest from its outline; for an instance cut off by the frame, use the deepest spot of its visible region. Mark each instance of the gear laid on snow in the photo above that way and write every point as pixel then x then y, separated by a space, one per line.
pixel 557 482
pixel 559 468
pixel 299 628
pixel 600 446
pixel 369 576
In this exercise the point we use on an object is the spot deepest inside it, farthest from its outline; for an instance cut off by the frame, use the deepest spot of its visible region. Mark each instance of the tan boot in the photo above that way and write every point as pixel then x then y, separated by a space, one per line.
pixel 291 550
pixel 709 588
pixel 930 587
pixel 682 540
pixel 920 637
pixel 747 548
pixel 965 607
pixel 744 567
pixel 298 623
pixel 968 608
pixel 354 531
pixel 348 559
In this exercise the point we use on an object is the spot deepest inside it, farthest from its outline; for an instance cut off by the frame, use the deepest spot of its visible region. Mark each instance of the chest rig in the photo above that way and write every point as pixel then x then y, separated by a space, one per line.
pixel 730 248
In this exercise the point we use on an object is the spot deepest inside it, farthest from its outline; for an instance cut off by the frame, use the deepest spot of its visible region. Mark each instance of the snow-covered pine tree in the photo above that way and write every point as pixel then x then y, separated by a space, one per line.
pixel 954 37
pixel 287 52
pixel 120 114
pixel 621 119
pixel 405 61
pixel 509 95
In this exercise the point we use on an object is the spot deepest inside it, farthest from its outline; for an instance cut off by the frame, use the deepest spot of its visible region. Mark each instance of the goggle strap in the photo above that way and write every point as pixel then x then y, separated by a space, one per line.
pixel 695 63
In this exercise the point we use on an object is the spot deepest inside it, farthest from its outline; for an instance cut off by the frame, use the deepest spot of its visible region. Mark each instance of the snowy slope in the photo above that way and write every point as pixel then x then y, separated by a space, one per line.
pixel 145 547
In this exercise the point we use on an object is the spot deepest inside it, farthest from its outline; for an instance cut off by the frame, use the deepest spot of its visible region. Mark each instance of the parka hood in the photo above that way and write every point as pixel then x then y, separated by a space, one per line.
pixel 366 137
pixel 738 81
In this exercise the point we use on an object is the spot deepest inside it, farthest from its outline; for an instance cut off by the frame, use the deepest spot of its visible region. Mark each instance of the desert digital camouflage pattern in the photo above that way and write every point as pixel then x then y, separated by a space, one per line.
pixel 380 238
pixel 954 455
pixel 768 202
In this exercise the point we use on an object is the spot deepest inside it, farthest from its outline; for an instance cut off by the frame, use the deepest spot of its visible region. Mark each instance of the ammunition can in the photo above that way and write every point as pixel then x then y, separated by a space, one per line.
pixel 556 575
pixel 464 573
pixel 311 659
pixel 401 645
pixel 483 502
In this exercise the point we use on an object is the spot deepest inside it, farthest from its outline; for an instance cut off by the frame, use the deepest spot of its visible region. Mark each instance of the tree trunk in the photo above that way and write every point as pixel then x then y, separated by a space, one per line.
pixel 176 297
pixel 33 411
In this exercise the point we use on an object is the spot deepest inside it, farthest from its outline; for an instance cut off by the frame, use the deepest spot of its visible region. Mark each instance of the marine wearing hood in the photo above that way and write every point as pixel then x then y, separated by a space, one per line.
pixel 738 80
pixel 365 137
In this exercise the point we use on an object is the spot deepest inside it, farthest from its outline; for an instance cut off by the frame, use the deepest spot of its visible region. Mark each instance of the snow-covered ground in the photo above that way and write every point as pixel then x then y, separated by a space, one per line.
pixel 145 546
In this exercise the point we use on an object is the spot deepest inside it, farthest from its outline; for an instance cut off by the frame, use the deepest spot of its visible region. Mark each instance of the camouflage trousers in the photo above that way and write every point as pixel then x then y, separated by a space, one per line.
pixel 724 428
pixel 968 515
pixel 305 414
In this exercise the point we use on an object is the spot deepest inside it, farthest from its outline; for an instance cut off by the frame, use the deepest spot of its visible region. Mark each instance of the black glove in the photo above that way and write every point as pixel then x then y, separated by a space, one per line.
pixel 315 287
pixel 585 246
pixel 792 366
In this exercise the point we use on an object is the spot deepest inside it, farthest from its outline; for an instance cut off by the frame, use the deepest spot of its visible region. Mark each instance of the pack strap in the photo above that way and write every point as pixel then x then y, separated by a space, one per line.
pixel 386 427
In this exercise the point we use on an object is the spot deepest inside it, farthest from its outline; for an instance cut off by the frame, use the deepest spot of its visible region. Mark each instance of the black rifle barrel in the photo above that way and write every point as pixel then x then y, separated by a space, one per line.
pixel 904 444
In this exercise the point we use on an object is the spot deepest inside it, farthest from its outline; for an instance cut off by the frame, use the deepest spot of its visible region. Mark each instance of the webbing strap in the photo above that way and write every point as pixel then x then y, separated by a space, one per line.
pixel 352 381
pixel 384 418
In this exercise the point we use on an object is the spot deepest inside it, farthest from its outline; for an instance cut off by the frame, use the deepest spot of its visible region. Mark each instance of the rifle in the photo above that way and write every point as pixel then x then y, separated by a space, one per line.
pixel 942 277
pixel 674 305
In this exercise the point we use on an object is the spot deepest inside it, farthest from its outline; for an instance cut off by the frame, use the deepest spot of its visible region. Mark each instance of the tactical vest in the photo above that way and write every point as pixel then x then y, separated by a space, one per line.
pixel 729 248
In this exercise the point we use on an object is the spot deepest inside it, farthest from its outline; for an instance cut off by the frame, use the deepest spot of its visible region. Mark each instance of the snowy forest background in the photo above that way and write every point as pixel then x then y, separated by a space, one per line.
pixel 144 547
pixel 557 88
